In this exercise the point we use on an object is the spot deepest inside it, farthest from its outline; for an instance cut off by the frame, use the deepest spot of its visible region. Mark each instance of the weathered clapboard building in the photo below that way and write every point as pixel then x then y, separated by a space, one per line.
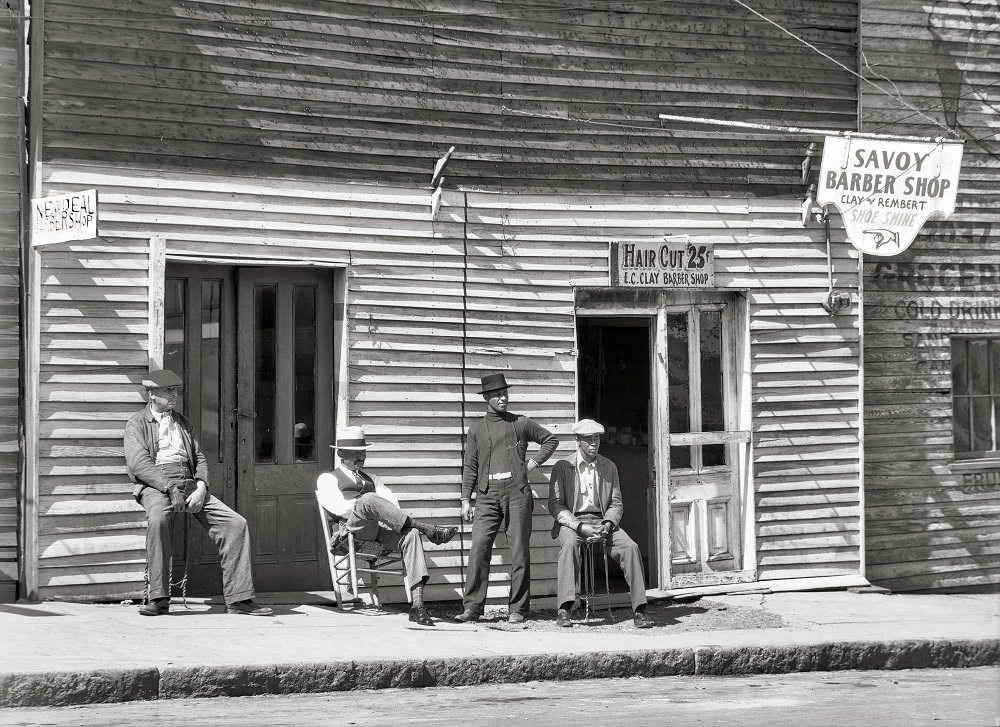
pixel 12 158
pixel 267 227
pixel 932 314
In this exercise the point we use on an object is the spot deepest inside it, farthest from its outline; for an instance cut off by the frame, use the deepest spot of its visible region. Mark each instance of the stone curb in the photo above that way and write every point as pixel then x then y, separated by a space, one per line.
pixel 37 689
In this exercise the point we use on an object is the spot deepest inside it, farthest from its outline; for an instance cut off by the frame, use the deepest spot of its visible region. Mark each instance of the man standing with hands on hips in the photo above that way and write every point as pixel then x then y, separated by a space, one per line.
pixel 495 466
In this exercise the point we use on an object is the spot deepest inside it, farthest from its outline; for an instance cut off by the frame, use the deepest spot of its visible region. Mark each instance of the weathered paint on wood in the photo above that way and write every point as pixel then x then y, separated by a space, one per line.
pixel 229 87
pixel 12 197
pixel 928 522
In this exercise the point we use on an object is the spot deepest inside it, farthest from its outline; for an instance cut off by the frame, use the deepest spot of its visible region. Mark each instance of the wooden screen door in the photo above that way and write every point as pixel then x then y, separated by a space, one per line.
pixel 698 445
pixel 285 415
pixel 255 348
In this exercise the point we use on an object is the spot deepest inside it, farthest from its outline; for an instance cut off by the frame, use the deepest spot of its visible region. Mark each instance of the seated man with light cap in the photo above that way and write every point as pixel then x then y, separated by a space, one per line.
pixel 370 511
pixel 585 500
pixel 170 472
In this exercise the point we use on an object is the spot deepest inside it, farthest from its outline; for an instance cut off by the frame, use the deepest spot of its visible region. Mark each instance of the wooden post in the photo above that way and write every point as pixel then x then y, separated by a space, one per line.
pixel 157 294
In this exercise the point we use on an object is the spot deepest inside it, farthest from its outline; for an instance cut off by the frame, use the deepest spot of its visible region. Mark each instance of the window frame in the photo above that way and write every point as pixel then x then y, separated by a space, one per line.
pixel 972 456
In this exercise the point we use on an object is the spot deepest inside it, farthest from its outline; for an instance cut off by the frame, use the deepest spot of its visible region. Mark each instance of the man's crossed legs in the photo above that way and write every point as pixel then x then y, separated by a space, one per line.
pixel 375 518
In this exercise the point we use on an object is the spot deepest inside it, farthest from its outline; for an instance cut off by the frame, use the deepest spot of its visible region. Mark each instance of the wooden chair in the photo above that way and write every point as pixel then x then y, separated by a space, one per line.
pixel 343 560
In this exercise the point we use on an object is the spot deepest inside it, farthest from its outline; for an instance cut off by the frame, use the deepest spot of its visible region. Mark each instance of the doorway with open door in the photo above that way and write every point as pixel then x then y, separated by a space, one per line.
pixel 255 347
pixel 614 387
pixel 660 370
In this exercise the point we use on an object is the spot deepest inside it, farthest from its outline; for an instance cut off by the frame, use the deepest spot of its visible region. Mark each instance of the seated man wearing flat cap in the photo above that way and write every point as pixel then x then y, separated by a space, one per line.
pixel 585 500
pixel 164 460
pixel 370 511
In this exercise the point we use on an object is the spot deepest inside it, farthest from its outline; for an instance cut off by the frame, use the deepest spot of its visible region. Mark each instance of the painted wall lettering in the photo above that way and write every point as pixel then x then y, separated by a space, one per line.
pixel 935 276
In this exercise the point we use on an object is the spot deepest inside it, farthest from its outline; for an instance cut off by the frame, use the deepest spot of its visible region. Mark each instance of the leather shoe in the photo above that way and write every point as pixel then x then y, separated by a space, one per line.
pixel 248 608
pixel 440 536
pixel 155 607
pixel 467 616
pixel 419 615
pixel 641 620
pixel 562 618
pixel 515 618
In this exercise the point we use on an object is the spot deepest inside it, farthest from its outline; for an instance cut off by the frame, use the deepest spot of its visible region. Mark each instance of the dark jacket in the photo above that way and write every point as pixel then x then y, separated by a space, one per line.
pixel 564 485
pixel 477 446
pixel 142 442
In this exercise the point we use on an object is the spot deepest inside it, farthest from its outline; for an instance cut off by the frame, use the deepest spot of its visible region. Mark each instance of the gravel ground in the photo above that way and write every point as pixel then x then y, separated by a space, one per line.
pixel 703 615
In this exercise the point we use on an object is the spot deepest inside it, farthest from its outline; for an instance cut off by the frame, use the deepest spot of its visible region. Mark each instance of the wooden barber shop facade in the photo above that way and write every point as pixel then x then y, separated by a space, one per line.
pixel 267 230
pixel 731 410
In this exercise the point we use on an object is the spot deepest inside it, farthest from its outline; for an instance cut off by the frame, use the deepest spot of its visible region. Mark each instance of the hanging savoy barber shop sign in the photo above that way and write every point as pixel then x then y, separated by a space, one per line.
pixel 886 190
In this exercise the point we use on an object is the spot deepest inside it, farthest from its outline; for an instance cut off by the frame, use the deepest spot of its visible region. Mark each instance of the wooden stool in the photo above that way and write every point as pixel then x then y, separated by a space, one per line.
pixel 588 580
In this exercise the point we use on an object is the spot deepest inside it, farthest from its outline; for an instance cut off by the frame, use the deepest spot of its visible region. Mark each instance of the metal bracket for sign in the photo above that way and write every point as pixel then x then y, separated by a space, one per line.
pixel 437 182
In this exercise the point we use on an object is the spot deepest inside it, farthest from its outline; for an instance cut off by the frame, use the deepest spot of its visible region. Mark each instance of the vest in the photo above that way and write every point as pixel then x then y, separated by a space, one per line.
pixel 349 487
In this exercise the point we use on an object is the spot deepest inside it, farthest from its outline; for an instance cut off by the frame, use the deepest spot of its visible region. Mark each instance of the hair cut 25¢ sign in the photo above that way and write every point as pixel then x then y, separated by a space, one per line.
pixel 886 190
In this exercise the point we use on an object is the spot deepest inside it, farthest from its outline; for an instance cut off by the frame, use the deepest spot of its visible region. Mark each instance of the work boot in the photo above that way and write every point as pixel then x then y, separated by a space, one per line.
pixel 467 616
pixel 419 615
pixel 155 607
pixel 641 620
pixel 248 608
pixel 440 536
pixel 515 618
pixel 563 618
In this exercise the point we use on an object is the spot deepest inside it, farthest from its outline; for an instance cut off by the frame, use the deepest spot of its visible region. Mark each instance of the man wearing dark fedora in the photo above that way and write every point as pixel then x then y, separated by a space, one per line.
pixel 495 468
pixel 165 461
pixel 369 510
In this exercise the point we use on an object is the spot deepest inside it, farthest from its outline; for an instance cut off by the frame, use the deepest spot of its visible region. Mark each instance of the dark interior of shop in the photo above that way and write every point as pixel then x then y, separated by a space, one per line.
pixel 615 389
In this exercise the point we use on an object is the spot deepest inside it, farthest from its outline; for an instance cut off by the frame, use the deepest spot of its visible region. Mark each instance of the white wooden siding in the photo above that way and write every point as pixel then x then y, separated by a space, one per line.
pixel 431 307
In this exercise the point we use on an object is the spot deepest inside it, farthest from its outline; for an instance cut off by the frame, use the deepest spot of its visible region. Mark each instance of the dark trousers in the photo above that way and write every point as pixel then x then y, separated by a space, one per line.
pixel 228 530
pixel 508 505
pixel 375 518
pixel 624 552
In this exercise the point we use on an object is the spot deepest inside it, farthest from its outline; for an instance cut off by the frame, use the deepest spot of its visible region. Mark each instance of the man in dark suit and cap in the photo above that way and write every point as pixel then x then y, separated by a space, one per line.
pixel 496 469
pixel 585 500
pixel 165 461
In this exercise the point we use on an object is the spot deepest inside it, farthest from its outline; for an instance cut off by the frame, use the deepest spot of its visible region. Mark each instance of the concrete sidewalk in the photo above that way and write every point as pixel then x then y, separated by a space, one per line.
pixel 69 653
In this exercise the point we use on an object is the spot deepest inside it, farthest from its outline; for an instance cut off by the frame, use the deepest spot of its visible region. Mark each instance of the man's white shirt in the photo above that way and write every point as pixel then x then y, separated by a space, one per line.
pixel 170 445
pixel 586 499
pixel 332 499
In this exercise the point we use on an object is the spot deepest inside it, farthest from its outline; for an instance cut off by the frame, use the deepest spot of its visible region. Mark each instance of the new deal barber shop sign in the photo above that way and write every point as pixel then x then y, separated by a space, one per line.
pixel 669 264
pixel 886 190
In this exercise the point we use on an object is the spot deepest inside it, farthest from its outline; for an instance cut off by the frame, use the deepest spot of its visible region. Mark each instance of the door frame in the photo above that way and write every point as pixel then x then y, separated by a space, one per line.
pixel 654 304
pixel 737 436
pixel 339 349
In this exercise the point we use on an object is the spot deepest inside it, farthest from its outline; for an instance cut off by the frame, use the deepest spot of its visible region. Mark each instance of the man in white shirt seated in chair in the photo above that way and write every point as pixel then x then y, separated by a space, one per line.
pixel 371 512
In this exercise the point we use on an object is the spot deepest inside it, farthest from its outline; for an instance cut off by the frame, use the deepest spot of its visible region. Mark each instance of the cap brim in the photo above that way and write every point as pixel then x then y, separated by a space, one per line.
pixel 355 449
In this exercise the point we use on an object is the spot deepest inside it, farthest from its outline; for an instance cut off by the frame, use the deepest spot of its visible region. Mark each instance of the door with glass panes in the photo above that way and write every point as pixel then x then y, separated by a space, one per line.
pixel 255 349
pixel 699 445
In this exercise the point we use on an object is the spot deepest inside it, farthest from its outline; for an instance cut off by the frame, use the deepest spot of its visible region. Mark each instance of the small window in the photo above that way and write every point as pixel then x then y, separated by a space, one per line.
pixel 975 382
